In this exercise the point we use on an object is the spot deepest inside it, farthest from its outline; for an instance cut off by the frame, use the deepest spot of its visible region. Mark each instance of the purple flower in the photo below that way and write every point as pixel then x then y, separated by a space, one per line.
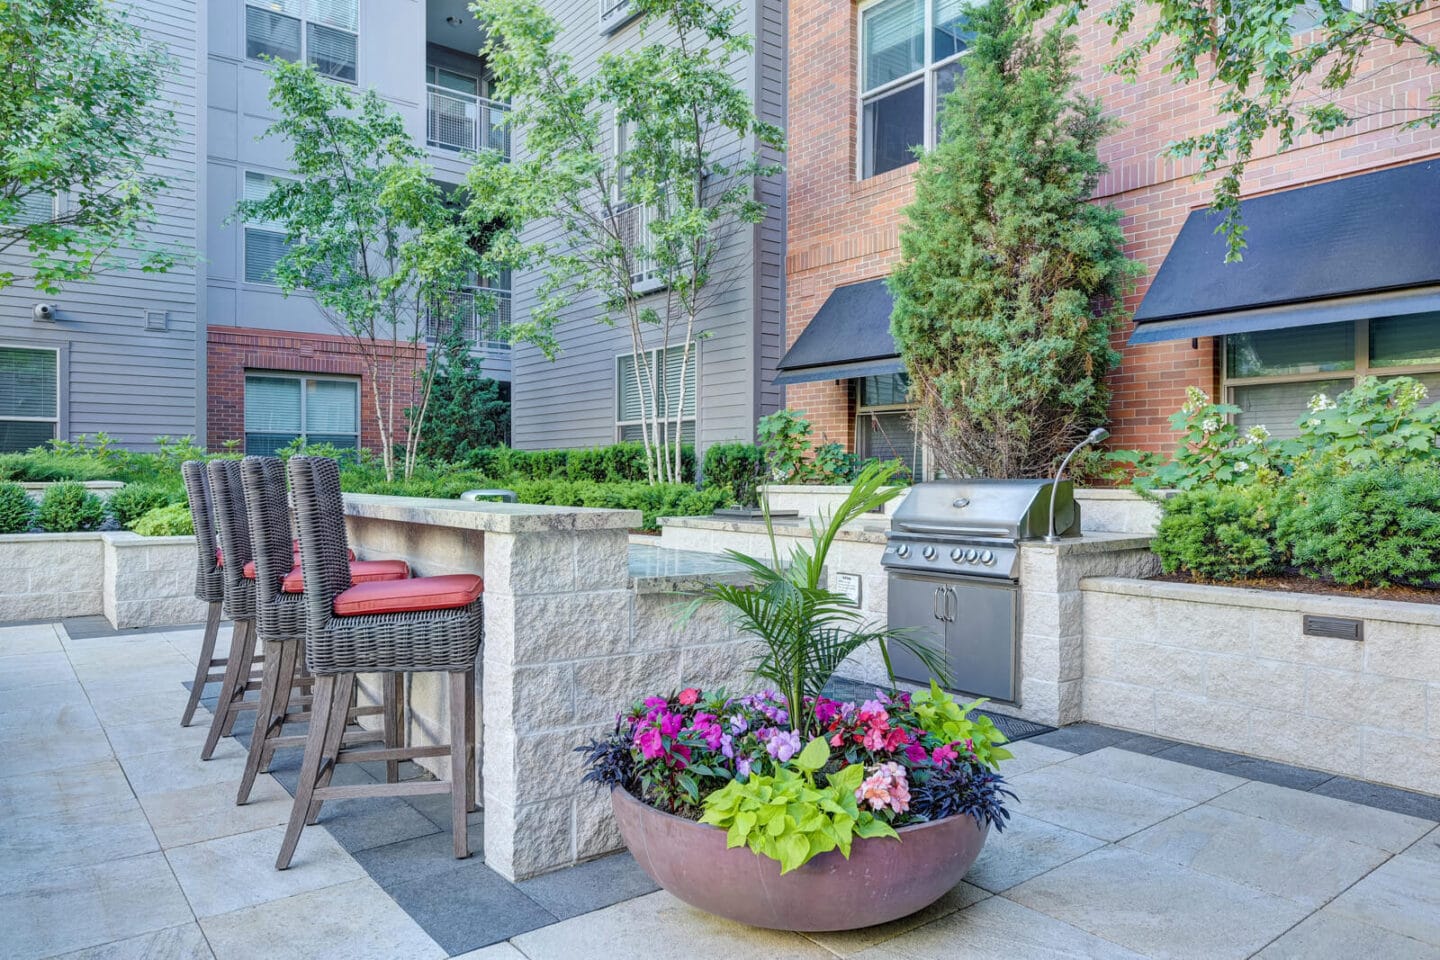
pixel 648 740
pixel 670 724
pixel 738 723
pixel 742 768
pixel 783 745
pixel 727 746
pixel 655 703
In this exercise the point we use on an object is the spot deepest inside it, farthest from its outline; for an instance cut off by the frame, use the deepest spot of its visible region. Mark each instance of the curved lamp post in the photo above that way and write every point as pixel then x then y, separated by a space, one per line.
pixel 1096 435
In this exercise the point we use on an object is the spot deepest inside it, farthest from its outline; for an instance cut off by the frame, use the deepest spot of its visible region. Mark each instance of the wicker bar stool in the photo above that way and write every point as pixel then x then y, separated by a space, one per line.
pixel 280 624
pixel 209 582
pixel 426 624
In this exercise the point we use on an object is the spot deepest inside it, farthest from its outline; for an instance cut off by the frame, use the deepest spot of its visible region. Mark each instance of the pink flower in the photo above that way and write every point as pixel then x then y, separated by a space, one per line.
pixel 670 724
pixel 916 754
pixel 656 703
pixel 874 739
pixel 944 756
pixel 783 745
pixel 648 740
pixel 688 696
pixel 885 787
pixel 837 740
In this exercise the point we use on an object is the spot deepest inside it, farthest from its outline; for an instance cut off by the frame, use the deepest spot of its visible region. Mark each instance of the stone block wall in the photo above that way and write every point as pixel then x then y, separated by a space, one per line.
pixel 1233 669
pixel 49 575
pixel 149 581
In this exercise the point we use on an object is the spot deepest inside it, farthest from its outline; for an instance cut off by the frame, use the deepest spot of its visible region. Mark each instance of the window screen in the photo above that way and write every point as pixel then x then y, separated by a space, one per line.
pixel 29 402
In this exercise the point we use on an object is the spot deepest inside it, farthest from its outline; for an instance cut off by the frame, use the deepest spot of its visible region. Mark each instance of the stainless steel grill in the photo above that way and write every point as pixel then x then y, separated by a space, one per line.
pixel 953 557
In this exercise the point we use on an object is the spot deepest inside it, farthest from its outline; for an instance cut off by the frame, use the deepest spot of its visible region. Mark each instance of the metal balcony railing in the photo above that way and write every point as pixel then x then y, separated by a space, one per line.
pixel 632 225
pixel 462 121
pixel 481 313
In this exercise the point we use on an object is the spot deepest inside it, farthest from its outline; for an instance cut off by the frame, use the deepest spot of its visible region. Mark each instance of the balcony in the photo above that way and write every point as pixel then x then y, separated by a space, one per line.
pixel 632 226
pixel 464 121
pixel 479 325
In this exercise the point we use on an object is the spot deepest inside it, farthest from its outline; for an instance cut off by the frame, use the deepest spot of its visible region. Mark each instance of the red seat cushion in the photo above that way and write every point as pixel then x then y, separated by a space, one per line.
pixel 361 571
pixel 410 596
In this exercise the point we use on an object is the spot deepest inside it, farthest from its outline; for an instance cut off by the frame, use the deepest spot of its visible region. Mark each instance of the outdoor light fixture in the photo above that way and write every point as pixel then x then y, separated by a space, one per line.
pixel 1095 436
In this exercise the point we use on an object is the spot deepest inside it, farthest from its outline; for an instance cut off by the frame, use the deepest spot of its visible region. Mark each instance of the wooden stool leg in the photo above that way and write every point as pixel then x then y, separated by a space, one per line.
pixel 334 732
pixel 393 698
pixel 237 672
pixel 309 768
pixel 202 666
pixel 266 717
pixel 472 801
pixel 289 655
pixel 247 669
pixel 459 764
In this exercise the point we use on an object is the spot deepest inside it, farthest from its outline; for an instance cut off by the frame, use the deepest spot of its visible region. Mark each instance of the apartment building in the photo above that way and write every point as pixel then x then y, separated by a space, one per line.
pixel 1340 278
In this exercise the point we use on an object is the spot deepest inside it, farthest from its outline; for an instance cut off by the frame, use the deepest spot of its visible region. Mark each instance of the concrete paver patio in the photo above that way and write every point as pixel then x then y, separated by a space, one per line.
pixel 116 841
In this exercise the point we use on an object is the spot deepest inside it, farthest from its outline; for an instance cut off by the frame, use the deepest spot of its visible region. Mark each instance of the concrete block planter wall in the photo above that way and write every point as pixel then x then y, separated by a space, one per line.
pixel 50 575
pixel 1234 668
pixel 149 581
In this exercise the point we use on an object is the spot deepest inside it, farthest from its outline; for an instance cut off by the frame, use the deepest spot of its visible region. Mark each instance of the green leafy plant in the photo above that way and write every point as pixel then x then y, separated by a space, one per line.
pixel 806 630
pixel 784 439
pixel 789 817
pixel 467 411
pixel 134 500
pixel 17 510
pixel 169 521
pixel 68 508
pixel 737 467
pixel 1220 532
pixel 832 463
pixel 1376 422
pixel 942 717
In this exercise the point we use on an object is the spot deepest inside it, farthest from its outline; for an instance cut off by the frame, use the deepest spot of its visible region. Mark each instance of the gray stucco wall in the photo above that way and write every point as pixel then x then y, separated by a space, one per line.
pixel 115 375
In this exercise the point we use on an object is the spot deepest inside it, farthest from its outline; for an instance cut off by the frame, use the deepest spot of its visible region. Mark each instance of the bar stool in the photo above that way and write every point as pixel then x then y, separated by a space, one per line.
pixel 209 582
pixel 280 624
pixel 426 624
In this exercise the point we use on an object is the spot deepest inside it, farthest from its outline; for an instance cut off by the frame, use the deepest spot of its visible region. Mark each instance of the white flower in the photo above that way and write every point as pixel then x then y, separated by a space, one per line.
pixel 1321 402
pixel 1195 398
pixel 1210 424
pixel 1241 466
pixel 1258 433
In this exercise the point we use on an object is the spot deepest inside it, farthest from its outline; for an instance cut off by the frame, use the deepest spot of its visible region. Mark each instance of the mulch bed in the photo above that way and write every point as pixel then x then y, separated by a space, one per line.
pixel 1296 583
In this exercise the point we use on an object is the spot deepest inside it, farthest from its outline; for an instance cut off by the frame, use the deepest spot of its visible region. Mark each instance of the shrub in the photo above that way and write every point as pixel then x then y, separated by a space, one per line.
pixel 784 438
pixel 467 411
pixel 652 500
pixel 1219 533
pixel 44 466
pixel 168 521
pixel 1376 528
pixel 69 507
pixel 736 467
pixel 834 464
pixel 134 500
pixel 17 510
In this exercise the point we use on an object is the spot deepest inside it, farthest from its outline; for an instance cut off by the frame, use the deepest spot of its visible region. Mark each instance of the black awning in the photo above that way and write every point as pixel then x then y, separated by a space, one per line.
pixel 1311 255
pixel 849 338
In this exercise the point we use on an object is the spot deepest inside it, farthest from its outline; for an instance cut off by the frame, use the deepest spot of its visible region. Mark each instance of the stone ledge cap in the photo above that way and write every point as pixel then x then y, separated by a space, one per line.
pixel 1367 608
pixel 488 517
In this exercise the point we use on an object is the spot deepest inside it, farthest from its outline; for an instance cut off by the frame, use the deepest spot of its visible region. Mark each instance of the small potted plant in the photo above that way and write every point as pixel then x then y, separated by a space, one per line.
pixel 791 810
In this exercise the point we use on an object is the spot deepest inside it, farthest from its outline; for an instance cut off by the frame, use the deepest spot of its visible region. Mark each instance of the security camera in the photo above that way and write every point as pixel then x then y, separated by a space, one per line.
pixel 44 312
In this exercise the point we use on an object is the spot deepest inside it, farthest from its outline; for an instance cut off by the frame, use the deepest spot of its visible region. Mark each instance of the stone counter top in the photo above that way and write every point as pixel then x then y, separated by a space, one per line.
pixel 1091 543
pixel 662 570
pixel 864 531
pixel 487 517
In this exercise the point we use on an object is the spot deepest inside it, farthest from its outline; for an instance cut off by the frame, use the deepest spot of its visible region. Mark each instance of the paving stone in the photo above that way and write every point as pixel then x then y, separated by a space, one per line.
pixel 1082 737
pixel 1250 768
pixel 850 943
pixel 1029 755
pixel 436 809
pixel 410 860
pixel 1026 849
pixel 498 951
pixel 18 641
pixel 41 753
pixel 154 736
pixel 35 670
pixel 230 873
pixel 996 927
pixel 660 924
pixel 68 717
pixel 1157 908
pixel 1402 896
pixel 1329 935
pixel 1385 798
pixel 49 840
pixel 173 943
pixel 469 906
pixel 28 701
pixel 63 790
pixel 208 811
pixel 1142 743
pixel 349 921
pixel 1259 853
pixel 124 707
pixel 589 886
pixel 65 910
pixel 1095 806
pixel 368 822
pixel 152 773
pixel 1326 816
pixel 1167 776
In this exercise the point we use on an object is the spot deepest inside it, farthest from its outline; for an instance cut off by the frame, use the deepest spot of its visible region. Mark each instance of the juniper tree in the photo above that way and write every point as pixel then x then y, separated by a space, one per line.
pixel 1010 281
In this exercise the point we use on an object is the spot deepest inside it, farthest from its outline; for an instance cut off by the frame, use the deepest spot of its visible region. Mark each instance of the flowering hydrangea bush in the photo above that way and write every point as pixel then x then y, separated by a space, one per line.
pixel 877 765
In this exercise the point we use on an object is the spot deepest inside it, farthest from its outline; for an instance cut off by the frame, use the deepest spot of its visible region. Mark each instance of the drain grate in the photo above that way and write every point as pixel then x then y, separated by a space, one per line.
pixel 1014 728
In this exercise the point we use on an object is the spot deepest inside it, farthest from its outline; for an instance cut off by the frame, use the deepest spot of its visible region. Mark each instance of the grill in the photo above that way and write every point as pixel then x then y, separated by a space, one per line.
pixel 953 559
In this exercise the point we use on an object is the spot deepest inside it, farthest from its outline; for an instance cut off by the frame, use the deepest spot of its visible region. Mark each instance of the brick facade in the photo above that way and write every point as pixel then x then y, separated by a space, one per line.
pixel 232 351
pixel 843 230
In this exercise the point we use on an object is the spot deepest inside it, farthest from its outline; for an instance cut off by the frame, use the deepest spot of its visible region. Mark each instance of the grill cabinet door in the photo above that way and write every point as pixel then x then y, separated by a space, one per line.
pixel 980 639
pixel 913 605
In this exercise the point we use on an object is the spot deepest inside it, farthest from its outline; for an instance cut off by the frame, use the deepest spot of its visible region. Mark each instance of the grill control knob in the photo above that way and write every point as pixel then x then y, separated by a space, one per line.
pixel 957 555
pixel 929 553
pixel 987 558
pixel 902 551
pixel 971 556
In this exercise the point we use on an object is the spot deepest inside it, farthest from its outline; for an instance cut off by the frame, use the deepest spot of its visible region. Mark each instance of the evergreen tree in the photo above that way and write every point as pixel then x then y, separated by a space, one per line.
pixel 467 411
pixel 1010 282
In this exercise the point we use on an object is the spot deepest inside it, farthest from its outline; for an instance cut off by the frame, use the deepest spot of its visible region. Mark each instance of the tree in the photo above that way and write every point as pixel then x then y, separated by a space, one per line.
pixel 376 242
pixel 1281 66
pixel 656 208
pixel 81 113
pixel 467 410
pixel 1010 281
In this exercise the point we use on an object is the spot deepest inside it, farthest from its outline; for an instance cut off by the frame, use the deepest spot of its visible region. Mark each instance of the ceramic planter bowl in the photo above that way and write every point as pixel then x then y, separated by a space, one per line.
pixel 883 880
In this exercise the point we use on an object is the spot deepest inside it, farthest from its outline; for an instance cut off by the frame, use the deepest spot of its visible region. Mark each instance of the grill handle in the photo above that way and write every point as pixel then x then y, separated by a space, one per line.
pixel 948 531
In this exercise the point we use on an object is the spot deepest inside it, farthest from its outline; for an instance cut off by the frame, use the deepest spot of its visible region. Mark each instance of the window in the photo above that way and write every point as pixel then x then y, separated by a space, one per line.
pixel 280 408
pixel 322 33
pixel 632 220
pixel 265 240
pixel 1272 374
pixel 1310 14
pixel 632 406
pixel 883 427
pixel 910 54
pixel 614 14
pixel 29 397
pixel 36 207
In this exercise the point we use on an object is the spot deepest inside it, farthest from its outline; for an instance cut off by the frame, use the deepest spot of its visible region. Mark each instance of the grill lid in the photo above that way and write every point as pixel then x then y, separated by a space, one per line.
pixel 1009 509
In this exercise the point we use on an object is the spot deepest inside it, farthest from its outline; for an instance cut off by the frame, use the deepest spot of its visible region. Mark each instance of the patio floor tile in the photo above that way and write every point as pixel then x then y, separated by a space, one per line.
pixel 659 924
pixel 120 707
pixel 1402 896
pixel 1026 849
pixel 173 943
pixel 1082 737
pixel 1096 806
pixel 152 773
pixel 208 811
pixel 230 873
pixel 498 951
pixel 36 638
pixel 27 701
pixel 1326 816
pixel 852 943
pixel 469 906
pixel 1167 776
pixel 1157 908
pixel 351 921
pixel 1386 798
pixel 1329 935
pixel 1029 755
pixel 63 717
pixel 35 669
pixel 411 860
pixel 1250 768
pixel 48 841
pixel 997 927
pixel 65 910
pixel 589 886
pixel 374 822
pixel 1258 853
pixel 155 736
pixel 41 753
pixel 63 790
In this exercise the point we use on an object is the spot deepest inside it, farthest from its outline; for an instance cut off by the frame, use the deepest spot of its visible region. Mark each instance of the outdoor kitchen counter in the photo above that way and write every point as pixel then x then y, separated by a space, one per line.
pixel 578 624
pixel 862 531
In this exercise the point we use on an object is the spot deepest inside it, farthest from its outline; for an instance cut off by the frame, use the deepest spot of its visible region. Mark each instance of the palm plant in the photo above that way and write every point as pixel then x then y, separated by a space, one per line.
pixel 806 630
